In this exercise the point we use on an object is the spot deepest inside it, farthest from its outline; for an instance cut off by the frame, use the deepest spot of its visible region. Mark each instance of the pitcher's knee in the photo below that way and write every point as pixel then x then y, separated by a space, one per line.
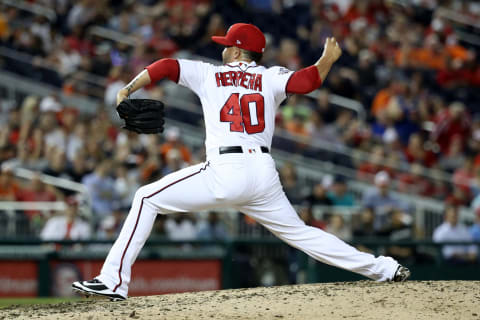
pixel 142 193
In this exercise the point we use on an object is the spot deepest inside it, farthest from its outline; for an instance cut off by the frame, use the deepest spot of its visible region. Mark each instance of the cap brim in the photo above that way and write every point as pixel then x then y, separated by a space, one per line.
pixel 222 40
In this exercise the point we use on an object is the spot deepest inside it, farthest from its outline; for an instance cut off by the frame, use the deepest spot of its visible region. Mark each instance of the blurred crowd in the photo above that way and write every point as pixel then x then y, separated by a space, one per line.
pixel 404 61
pixel 418 88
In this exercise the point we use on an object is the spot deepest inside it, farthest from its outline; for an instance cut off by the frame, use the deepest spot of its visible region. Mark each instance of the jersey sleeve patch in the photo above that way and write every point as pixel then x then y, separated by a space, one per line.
pixel 278 79
pixel 283 70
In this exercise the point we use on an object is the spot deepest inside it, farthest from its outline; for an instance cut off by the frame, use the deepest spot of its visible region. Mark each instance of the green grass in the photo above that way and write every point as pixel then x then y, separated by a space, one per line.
pixel 6 302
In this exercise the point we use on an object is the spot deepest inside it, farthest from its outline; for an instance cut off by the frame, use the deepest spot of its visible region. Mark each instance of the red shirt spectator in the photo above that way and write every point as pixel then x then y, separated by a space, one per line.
pixel 415 152
pixel 360 10
pixel 37 191
pixel 412 182
pixel 455 74
pixel 449 123
pixel 462 177
pixel 457 197
pixel 375 164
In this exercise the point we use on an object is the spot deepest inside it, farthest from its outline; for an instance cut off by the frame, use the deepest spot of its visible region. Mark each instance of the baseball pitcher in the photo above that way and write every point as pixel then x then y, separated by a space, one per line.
pixel 239 101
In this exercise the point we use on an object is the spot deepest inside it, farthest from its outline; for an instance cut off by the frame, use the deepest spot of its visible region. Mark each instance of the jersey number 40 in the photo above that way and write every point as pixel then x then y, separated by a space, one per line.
pixel 247 113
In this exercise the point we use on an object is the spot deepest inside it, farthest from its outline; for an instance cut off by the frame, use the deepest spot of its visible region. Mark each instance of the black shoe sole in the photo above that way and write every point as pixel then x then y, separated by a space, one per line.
pixel 98 294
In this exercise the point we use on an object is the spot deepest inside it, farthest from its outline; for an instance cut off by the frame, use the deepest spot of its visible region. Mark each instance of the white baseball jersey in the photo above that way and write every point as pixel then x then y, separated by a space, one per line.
pixel 239 100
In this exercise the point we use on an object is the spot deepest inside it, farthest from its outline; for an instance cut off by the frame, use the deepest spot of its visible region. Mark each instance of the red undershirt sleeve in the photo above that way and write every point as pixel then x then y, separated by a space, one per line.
pixel 304 81
pixel 164 68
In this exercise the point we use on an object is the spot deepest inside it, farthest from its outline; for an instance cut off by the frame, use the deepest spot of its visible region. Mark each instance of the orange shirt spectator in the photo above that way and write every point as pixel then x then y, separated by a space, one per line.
pixel 172 135
pixel 425 57
pixel 457 52
pixel 296 127
pixel 381 100
pixel 9 189
pixel 3 26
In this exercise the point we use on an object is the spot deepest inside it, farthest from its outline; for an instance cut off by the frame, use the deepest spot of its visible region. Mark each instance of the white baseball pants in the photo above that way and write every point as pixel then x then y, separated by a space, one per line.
pixel 248 182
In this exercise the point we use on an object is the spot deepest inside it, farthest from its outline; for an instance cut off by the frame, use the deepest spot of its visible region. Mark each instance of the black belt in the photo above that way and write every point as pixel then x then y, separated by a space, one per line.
pixel 238 149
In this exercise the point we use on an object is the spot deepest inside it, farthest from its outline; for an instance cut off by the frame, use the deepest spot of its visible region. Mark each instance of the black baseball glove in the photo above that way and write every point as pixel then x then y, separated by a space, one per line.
pixel 142 115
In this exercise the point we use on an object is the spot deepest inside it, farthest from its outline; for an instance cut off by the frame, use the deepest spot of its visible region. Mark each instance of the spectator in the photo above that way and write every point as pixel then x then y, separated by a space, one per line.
pixel 9 188
pixel 288 54
pixel 454 158
pixel 37 190
pixel 77 169
pixel 173 162
pixel 77 135
pixel 159 227
pixel 458 197
pixel 25 159
pixel 54 137
pixel 464 176
pixel 67 59
pixel 101 188
pixel 381 201
pixel 125 186
pixel 110 226
pixel 399 228
pixel 340 130
pixel 124 22
pixel 451 123
pixel 295 105
pixel 362 223
pixel 414 182
pixel 382 98
pixel 339 193
pixel 213 228
pixel 363 227
pixel 101 62
pixel 296 126
pixel 325 108
pixel 119 77
pixel 336 226
pixel 416 152
pixel 453 231
pixel 4 30
pixel 181 227
pixel 81 13
pixel 173 141
pixel 318 196
pixel 288 176
pixel 374 164
pixel 306 214
pixel 57 164
pixel 475 229
pixel 50 103
pixel 67 226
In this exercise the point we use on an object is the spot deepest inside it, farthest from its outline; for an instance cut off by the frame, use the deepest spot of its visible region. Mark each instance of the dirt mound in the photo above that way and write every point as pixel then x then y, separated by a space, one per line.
pixel 357 300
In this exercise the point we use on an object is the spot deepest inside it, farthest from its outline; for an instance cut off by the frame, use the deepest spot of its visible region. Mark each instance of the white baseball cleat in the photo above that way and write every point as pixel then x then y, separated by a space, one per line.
pixel 96 287
pixel 401 274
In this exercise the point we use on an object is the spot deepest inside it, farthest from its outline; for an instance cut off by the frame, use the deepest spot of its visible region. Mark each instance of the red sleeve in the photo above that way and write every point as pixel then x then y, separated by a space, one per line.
pixel 164 68
pixel 304 81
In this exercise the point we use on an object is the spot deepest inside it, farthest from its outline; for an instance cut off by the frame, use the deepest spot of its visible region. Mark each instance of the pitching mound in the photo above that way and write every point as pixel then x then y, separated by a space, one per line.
pixel 356 300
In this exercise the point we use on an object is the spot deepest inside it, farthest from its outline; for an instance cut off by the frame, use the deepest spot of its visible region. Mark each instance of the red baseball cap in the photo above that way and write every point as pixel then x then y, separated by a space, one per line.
pixel 244 36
